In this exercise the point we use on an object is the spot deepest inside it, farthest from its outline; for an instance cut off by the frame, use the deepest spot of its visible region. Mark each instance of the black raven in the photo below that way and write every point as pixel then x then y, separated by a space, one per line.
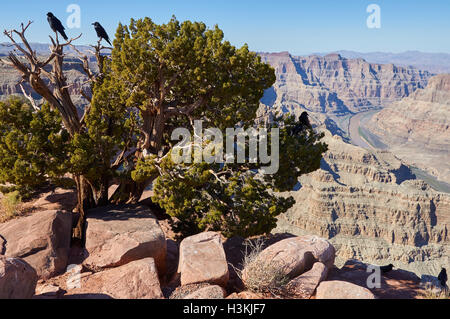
pixel 101 33
pixel 56 25
pixel 443 277
pixel 303 123
pixel 304 120
pixel 386 269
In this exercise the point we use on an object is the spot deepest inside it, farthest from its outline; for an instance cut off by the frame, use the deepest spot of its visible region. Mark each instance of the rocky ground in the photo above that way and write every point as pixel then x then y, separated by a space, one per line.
pixel 129 255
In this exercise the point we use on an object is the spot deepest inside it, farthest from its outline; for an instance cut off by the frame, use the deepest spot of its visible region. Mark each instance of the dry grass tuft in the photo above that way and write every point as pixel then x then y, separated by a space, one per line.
pixel 432 292
pixel 10 206
pixel 261 276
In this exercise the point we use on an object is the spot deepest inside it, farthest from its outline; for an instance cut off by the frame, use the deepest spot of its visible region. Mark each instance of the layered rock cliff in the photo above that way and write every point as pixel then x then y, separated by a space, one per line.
pixel 417 128
pixel 373 209
pixel 76 79
pixel 333 84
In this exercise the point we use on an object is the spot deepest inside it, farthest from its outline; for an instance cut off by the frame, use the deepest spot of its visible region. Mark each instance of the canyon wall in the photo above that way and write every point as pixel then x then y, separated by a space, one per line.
pixel 417 128
pixel 335 85
pixel 76 79
pixel 372 208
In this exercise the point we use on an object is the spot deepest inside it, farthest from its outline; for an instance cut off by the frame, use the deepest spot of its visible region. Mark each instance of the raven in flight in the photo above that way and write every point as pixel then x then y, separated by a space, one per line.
pixel 101 33
pixel 443 277
pixel 56 25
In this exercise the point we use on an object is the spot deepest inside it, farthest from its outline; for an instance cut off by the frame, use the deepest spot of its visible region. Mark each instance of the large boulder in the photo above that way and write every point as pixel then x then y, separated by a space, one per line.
pixel 116 236
pixel 135 280
pixel 297 255
pixel 42 240
pixel 202 260
pixel 305 285
pixel 17 279
pixel 342 290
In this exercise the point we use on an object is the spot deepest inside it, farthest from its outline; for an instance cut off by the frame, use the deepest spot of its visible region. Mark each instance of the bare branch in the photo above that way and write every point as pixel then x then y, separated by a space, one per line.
pixel 87 109
pixel 71 40
pixel 87 97
pixel 29 97
pixel 32 71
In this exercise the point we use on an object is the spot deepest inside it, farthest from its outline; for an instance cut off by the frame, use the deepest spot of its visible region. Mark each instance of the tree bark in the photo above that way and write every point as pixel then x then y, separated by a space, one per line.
pixel 129 192
pixel 85 202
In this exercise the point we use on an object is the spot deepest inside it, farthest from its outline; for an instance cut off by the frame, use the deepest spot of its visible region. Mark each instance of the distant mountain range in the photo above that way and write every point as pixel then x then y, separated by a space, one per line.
pixel 432 62
pixel 41 48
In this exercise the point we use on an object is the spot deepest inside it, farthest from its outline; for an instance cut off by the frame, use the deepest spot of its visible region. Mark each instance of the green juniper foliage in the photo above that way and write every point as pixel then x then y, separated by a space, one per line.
pixel 187 72
pixel 33 146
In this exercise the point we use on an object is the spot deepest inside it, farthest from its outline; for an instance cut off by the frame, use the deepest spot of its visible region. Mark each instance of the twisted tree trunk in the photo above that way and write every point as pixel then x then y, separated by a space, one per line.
pixel 57 95
pixel 85 202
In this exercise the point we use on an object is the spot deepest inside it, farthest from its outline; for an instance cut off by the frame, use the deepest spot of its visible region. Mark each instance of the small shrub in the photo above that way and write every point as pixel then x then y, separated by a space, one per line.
pixel 10 206
pixel 432 292
pixel 261 276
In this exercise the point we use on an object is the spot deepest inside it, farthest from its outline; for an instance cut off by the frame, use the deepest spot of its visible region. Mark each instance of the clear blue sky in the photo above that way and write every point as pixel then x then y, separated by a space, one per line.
pixel 296 26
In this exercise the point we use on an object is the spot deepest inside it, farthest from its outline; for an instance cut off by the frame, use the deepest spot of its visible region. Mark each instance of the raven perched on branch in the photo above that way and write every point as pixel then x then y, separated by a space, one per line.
pixel 303 124
pixel 56 25
pixel 101 33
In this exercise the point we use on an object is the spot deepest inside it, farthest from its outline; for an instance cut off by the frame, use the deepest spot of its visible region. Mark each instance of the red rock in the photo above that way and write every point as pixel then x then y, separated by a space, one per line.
pixel 245 295
pixel 117 236
pixel 47 291
pixel 296 254
pixel 210 292
pixel 135 280
pixel 202 260
pixel 42 240
pixel 305 285
pixel 342 290
pixel 17 279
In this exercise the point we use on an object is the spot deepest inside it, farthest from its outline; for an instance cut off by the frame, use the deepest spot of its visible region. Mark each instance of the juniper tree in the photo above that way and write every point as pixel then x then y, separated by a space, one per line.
pixel 162 77
pixel 176 73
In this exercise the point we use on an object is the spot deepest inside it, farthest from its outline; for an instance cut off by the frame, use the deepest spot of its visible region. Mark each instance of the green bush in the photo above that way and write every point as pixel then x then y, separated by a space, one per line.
pixel 33 146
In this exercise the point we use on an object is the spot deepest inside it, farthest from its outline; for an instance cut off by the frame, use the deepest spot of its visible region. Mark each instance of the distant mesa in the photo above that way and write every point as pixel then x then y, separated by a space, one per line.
pixel 333 84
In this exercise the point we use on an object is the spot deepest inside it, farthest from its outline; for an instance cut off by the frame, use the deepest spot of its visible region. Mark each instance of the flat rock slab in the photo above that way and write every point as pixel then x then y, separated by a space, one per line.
pixel 42 240
pixel 295 255
pixel 210 292
pixel 116 236
pixel 135 280
pixel 397 284
pixel 305 285
pixel 17 279
pixel 48 291
pixel 342 290
pixel 202 260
